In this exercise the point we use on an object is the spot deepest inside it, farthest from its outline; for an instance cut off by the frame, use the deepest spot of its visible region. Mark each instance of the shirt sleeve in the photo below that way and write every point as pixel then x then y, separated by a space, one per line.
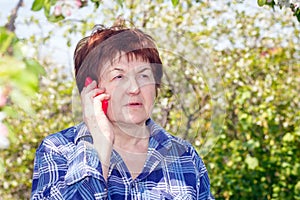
pixel 203 182
pixel 61 175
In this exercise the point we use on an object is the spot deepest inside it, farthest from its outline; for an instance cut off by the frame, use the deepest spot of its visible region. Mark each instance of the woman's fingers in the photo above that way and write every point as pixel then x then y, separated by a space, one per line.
pixel 92 99
pixel 89 86
pixel 95 92
pixel 92 90
pixel 88 81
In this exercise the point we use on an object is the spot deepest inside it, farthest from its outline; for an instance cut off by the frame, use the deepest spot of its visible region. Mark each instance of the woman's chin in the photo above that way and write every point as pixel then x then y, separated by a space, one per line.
pixel 136 119
pixel 131 117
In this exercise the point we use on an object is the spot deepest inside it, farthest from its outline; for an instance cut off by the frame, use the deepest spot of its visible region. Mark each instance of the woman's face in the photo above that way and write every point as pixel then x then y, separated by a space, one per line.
pixel 131 85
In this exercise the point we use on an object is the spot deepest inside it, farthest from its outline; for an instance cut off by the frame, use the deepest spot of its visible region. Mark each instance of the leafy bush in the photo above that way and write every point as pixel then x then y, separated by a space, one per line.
pixel 257 155
pixel 52 112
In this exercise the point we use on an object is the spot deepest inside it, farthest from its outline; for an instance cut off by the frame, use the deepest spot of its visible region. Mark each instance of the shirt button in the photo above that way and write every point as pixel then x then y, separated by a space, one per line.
pixel 132 185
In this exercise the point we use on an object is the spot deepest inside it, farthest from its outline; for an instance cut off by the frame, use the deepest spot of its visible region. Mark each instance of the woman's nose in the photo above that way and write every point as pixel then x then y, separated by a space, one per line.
pixel 133 86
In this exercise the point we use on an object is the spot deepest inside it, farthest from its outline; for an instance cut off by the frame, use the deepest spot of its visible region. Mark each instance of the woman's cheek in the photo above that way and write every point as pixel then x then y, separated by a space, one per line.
pixel 114 106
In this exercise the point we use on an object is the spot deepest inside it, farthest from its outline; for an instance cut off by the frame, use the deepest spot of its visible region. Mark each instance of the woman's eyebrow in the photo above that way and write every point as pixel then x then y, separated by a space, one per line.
pixel 144 69
pixel 122 70
pixel 116 69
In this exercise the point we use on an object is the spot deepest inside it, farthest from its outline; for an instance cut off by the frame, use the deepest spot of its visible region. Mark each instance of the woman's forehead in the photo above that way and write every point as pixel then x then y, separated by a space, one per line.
pixel 126 60
pixel 130 62
pixel 129 57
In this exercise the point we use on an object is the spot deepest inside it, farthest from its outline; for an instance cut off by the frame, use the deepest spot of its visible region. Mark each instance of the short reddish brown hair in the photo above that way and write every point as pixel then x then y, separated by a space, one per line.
pixel 104 44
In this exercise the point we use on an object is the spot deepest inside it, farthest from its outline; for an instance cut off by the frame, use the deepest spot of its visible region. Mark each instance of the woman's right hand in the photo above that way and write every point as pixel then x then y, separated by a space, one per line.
pixel 97 121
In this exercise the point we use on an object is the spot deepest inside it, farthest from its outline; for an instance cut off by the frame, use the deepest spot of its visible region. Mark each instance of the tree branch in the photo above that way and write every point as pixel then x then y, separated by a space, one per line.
pixel 11 24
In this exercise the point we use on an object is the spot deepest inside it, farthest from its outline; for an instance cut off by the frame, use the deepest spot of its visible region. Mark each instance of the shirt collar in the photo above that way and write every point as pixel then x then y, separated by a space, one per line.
pixel 82 133
pixel 158 136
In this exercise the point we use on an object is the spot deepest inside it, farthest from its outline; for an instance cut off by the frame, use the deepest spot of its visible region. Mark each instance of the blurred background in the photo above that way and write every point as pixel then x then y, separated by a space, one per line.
pixel 231 84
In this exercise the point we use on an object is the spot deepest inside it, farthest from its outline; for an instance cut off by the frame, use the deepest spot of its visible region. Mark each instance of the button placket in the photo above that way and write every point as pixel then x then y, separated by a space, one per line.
pixel 136 190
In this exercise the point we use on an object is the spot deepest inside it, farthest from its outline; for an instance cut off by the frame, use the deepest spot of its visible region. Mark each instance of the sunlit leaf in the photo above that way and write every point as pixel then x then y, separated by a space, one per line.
pixel 120 2
pixel 52 18
pixel 261 2
pixel 47 7
pixel 252 162
pixel 288 137
pixel 37 5
pixel 35 67
pixel 22 101
pixel 175 2
pixel 10 65
pixel 6 39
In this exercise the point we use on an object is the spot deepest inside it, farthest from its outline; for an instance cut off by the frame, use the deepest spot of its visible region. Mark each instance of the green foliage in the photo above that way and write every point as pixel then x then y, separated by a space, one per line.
pixel 19 76
pixel 37 5
pixel 257 154
pixel 261 2
pixel 18 73
pixel 295 6
pixel 297 13
pixel 6 39
pixel 175 2
pixel 52 112
pixel 48 4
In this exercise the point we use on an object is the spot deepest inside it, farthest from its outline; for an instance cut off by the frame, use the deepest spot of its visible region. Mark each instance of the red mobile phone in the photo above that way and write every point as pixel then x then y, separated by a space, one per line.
pixel 88 80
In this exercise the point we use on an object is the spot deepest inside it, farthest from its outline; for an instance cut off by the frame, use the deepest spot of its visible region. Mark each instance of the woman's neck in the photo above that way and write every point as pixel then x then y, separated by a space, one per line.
pixel 131 137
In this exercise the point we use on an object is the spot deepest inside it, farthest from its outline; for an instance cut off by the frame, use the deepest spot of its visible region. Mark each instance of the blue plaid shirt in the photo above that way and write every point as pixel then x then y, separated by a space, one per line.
pixel 66 166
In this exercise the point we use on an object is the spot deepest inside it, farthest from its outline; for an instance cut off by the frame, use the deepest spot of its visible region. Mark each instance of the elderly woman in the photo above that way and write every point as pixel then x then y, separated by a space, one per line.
pixel 118 151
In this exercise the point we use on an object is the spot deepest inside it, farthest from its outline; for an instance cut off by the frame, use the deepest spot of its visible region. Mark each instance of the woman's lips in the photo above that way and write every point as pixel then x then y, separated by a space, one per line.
pixel 134 104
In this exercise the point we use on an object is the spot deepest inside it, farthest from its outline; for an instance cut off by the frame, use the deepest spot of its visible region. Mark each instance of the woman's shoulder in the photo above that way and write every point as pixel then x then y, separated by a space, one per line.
pixel 60 139
pixel 179 141
pixel 65 135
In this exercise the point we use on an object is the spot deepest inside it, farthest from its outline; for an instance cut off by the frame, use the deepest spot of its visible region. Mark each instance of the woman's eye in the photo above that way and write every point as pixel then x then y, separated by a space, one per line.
pixel 145 75
pixel 118 77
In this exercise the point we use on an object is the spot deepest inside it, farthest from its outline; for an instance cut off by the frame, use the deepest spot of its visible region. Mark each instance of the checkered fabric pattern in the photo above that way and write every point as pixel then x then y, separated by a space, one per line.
pixel 66 166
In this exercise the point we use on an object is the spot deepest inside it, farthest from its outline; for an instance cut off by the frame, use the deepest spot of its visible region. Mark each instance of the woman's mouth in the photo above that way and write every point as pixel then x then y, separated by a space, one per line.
pixel 134 104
